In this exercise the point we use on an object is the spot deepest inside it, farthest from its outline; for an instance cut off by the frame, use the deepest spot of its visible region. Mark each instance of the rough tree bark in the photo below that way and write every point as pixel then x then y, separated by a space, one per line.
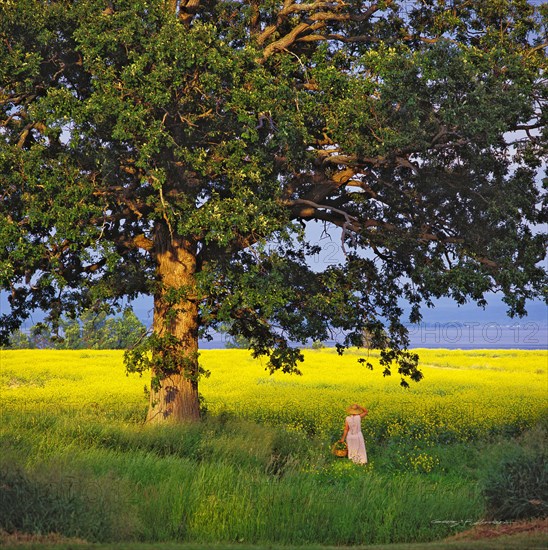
pixel 176 315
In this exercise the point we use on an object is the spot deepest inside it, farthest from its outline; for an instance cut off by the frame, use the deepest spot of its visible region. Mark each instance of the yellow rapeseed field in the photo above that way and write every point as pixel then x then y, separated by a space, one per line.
pixel 464 394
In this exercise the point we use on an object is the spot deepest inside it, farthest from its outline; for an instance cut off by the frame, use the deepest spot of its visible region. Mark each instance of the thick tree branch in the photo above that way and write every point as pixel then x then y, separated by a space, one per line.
pixel 318 15
pixel 139 241
pixel 350 222
pixel 187 10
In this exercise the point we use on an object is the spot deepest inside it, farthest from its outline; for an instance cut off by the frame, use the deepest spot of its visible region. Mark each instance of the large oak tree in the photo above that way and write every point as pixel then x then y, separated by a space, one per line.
pixel 181 148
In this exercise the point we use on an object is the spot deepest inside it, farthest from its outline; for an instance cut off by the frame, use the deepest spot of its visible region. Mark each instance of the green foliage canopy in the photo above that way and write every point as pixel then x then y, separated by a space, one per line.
pixel 225 127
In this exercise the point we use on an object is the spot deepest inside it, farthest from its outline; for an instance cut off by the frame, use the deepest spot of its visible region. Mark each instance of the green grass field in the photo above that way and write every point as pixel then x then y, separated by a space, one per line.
pixel 78 460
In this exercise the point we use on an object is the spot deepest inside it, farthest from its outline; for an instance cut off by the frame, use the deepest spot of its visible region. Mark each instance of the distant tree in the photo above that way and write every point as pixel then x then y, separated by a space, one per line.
pixel 91 330
pixel 122 332
pixel 179 148
pixel 375 337
pixel 97 330
pixel 69 334
pixel 231 338
pixel 19 340
pixel 41 337
pixel 38 337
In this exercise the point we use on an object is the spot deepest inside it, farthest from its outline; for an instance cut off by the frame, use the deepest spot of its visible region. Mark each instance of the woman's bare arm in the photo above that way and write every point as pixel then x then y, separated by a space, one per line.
pixel 343 438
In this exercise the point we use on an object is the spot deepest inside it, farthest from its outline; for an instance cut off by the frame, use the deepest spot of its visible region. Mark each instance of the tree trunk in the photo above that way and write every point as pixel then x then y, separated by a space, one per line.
pixel 176 314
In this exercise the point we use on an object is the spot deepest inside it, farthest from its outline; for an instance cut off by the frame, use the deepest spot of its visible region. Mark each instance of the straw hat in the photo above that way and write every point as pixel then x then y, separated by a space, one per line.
pixel 355 409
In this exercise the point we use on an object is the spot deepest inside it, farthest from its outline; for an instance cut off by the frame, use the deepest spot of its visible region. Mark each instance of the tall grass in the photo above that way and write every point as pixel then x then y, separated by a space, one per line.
pixel 223 489
pixel 258 469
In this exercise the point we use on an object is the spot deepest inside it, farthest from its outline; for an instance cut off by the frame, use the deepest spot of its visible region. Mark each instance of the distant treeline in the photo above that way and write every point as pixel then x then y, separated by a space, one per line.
pixel 91 330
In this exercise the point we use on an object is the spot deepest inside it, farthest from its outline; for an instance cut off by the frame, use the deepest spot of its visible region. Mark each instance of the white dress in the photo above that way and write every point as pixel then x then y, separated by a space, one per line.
pixel 355 441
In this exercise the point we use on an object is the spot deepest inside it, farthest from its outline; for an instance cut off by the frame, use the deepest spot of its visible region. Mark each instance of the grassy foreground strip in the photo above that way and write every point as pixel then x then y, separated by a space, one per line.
pixel 512 542
pixel 76 458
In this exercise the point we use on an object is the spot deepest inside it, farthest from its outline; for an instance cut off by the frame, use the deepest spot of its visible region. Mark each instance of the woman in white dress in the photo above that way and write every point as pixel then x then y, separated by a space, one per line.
pixel 353 434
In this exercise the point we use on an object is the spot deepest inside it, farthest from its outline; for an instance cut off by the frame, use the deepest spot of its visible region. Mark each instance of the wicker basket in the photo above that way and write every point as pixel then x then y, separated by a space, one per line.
pixel 338 451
